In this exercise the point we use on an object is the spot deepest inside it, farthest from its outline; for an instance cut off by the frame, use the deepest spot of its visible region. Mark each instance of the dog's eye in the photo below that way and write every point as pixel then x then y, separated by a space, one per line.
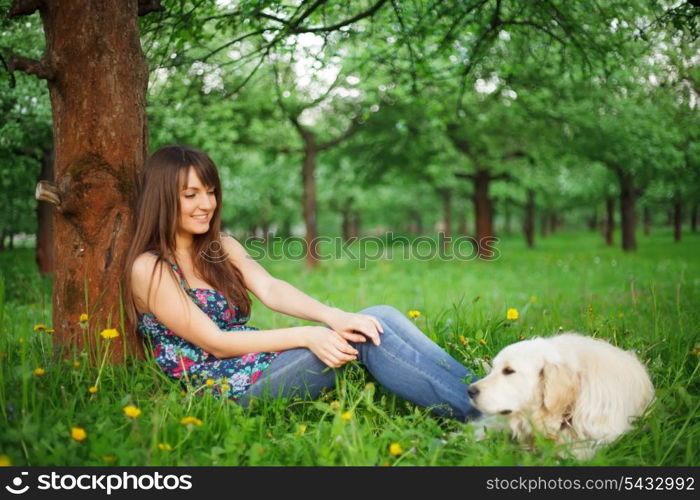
pixel 508 370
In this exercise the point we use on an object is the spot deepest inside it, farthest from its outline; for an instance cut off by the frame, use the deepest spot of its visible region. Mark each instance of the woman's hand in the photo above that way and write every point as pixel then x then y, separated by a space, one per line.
pixel 329 346
pixel 355 327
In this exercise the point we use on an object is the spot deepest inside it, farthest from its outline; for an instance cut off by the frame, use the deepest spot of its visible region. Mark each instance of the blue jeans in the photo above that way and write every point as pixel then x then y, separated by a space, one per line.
pixel 406 362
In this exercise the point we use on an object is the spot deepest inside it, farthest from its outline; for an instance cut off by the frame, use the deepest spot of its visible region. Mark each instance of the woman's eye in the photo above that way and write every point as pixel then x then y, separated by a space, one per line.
pixel 508 371
pixel 189 196
pixel 212 192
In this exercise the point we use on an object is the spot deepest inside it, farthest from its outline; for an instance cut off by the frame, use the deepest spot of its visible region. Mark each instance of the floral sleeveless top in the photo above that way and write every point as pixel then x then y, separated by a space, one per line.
pixel 184 361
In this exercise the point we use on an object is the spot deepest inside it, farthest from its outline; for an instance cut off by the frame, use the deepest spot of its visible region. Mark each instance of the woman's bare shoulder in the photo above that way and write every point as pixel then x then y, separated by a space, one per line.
pixel 143 267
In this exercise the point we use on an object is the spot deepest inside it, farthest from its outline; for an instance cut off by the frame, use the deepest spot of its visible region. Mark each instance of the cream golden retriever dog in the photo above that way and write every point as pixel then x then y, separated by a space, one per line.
pixel 571 388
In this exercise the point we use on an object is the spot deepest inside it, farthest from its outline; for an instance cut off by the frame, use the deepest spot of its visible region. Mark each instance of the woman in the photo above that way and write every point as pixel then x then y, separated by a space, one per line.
pixel 187 291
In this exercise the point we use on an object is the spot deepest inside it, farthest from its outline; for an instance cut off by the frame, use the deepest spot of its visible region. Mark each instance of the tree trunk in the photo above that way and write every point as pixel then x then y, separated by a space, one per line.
pixel 677 218
pixel 647 221
pixel 507 216
pixel 351 222
pixel 446 195
pixel 356 225
pixel 609 220
pixel 309 201
pixel 483 211
pixel 97 77
pixel 529 222
pixel 694 218
pixel 11 241
pixel 346 223
pixel 627 211
pixel 593 220
pixel 415 225
pixel 553 223
pixel 44 216
pixel 2 241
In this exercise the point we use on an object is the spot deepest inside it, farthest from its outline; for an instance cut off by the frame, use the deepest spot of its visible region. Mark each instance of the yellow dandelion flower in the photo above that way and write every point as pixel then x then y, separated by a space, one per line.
pixel 39 328
pixel 93 389
pixel 301 430
pixel 39 372
pixel 210 382
pixel 482 342
pixel 21 341
pixel 50 330
pixel 132 411
pixel 109 458
pixel 191 421
pixel 109 333
pixel 413 314
pixel 83 318
pixel 346 416
pixel 165 447
pixel 5 461
pixel 76 364
pixel 395 449
pixel 335 406
pixel 462 339
pixel 78 433
pixel 512 314
pixel 183 393
pixel 224 388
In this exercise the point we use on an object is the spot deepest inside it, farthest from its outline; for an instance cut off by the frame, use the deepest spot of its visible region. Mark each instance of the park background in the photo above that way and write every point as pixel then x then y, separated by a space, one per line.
pixel 566 130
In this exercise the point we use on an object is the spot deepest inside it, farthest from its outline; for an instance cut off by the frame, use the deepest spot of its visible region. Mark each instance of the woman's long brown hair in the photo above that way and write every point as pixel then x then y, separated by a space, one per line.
pixel 157 211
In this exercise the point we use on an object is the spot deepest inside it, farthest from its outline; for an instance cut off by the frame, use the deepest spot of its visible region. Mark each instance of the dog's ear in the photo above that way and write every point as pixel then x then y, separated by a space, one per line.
pixel 560 388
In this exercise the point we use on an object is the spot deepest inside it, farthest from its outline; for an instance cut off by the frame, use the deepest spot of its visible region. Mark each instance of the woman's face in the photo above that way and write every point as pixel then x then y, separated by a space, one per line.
pixel 197 204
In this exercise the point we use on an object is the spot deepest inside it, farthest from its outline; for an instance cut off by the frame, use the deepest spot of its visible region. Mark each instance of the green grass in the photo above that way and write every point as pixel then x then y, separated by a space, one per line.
pixel 646 301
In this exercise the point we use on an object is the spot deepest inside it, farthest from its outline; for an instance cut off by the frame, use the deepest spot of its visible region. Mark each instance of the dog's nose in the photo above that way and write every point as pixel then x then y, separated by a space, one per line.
pixel 473 391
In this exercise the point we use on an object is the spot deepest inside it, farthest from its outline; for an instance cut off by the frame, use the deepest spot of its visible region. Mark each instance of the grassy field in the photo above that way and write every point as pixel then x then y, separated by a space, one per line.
pixel 646 301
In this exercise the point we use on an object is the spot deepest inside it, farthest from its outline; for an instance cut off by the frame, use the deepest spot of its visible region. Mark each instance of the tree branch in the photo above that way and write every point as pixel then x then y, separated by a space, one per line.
pixel 464 175
pixel 24 7
pixel 42 69
pixel 148 6
pixel 354 127
pixel 293 26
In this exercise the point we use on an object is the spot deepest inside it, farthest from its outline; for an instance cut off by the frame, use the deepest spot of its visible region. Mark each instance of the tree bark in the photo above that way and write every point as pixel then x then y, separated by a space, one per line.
pixel 483 211
pixel 415 225
pixel 609 220
pixel 593 220
pixel 628 220
pixel 677 218
pixel 694 218
pixel 309 201
pixel 446 195
pixel 507 216
pixel 529 221
pixel 44 216
pixel 346 222
pixel 647 221
pixel 356 225
pixel 97 76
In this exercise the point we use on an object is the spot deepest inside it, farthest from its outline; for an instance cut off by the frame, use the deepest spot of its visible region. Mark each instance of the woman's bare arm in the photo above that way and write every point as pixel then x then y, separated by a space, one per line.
pixel 176 311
